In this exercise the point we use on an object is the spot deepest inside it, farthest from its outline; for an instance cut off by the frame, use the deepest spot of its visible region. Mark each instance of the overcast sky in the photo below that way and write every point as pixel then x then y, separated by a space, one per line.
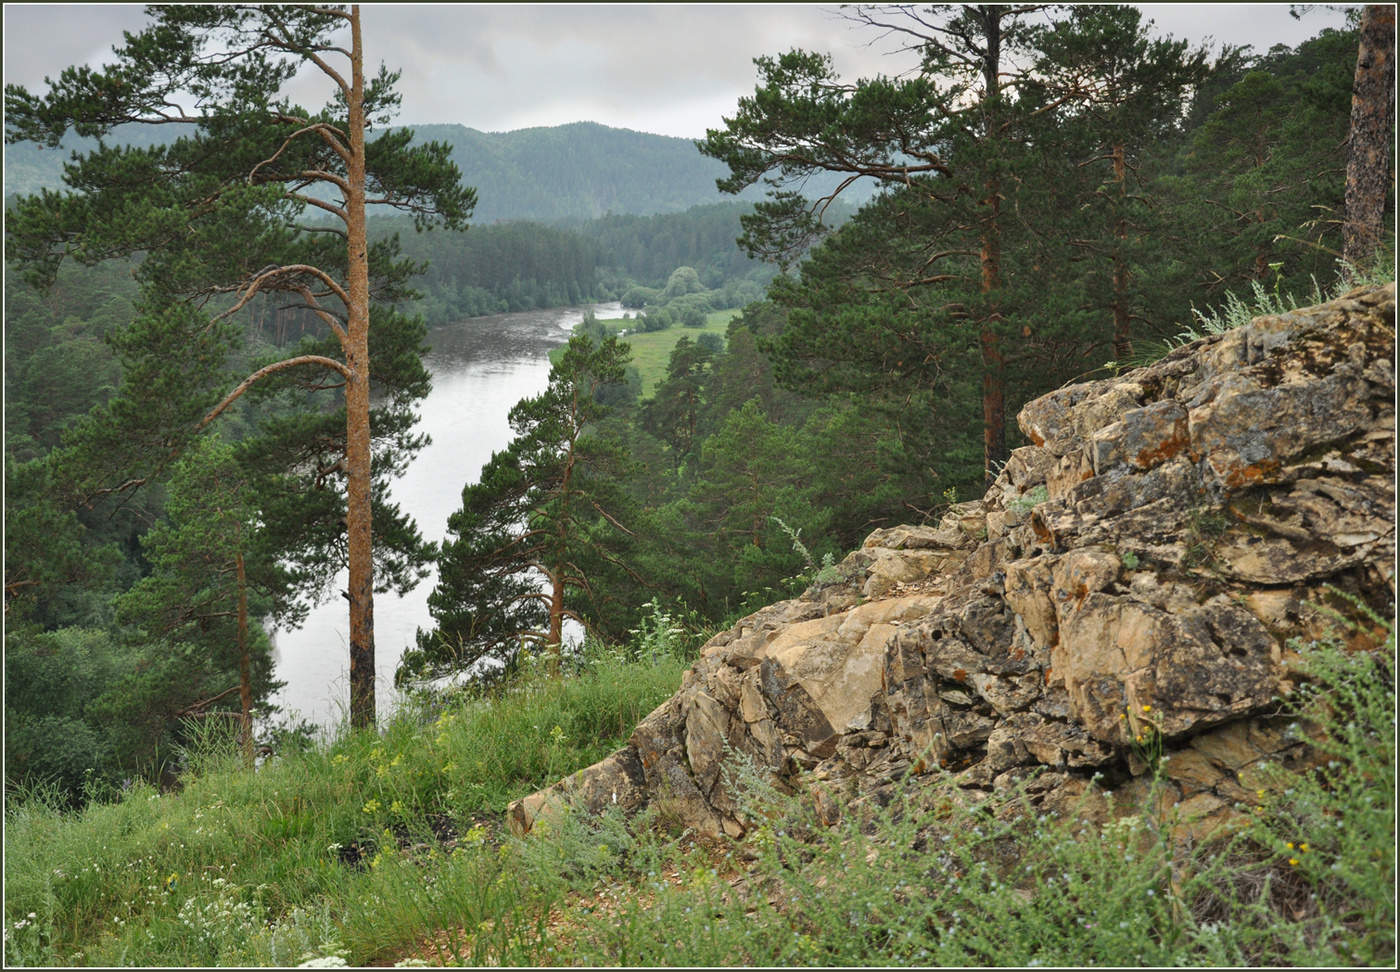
pixel 671 69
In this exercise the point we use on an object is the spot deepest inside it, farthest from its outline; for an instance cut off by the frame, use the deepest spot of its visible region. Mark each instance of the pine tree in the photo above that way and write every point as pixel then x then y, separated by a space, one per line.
pixel 672 414
pixel 222 213
pixel 946 136
pixel 513 560
pixel 1262 179
pixel 205 559
pixel 1130 94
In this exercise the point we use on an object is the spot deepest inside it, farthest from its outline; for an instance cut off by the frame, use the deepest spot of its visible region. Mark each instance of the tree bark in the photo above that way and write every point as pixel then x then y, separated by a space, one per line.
pixel 359 525
pixel 1372 127
pixel 993 360
pixel 245 666
pixel 556 572
pixel 1122 336
pixel 556 620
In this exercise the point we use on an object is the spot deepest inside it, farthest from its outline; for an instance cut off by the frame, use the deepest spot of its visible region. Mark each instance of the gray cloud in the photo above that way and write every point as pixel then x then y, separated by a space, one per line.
pixel 671 69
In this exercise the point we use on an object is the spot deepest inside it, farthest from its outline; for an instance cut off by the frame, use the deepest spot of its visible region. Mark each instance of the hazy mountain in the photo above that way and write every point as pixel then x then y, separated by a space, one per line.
pixel 569 172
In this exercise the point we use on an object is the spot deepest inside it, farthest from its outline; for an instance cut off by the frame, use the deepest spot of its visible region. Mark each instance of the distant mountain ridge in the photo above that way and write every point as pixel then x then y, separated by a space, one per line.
pixel 568 172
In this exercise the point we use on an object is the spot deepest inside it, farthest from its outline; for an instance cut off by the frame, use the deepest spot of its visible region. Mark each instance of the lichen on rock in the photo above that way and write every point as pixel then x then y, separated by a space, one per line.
pixel 1153 552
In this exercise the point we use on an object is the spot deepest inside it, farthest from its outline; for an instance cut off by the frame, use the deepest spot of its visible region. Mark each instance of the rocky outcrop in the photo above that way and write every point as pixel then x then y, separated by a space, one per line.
pixel 1135 574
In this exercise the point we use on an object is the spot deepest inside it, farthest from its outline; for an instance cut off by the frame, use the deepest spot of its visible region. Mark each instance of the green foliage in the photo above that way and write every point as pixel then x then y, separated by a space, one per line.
pixel 541 506
pixel 523 266
pixel 56 684
pixel 1238 313
pixel 493 269
pixel 824 573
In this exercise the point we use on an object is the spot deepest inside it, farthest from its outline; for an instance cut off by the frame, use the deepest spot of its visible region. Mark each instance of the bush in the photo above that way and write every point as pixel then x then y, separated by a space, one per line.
pixel 683 280
pixel 638 297
pixel 656 319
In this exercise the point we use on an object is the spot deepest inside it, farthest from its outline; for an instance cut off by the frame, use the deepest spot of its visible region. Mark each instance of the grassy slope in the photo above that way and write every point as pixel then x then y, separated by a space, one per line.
pixel 337 854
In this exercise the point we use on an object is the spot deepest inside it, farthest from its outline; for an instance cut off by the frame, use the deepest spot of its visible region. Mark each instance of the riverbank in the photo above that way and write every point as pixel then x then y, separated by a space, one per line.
pixel 651 350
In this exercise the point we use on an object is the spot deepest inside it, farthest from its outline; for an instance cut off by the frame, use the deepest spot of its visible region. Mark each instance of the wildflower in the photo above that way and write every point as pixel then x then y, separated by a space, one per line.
pixel 372 806
pixel 1293 862
pixel 1147 708
pixel 1289 845
pixel 338 758
pixel 1303 847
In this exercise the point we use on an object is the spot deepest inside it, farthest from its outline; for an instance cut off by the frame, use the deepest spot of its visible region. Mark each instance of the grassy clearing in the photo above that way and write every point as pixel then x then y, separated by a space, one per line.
pixel 651 352
pixel 389 846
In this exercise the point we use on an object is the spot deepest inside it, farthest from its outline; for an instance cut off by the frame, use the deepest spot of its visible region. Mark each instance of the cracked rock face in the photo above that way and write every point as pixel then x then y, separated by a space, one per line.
pixel 1141 567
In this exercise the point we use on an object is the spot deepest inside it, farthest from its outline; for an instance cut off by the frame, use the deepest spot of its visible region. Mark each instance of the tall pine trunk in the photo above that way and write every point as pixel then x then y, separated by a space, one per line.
pixel 359 524
pixel 556 620
pixel 993 361
pixel 989 339
pixel 1372 127
pixel 1122 343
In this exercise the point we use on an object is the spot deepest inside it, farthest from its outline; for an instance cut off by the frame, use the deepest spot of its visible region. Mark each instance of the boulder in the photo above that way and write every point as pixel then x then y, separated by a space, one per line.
pixel 1139 569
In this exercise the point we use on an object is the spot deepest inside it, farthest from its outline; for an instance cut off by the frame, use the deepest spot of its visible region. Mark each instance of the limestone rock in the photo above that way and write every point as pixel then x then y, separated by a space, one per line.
pixel 1138 570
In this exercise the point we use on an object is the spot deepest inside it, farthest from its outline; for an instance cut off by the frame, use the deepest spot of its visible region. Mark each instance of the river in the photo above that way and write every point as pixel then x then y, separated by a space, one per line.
pixel 481 367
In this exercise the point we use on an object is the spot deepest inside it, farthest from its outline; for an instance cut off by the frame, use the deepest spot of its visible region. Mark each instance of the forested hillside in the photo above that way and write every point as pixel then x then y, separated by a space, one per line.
pixel 569 172
pixel 523 266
